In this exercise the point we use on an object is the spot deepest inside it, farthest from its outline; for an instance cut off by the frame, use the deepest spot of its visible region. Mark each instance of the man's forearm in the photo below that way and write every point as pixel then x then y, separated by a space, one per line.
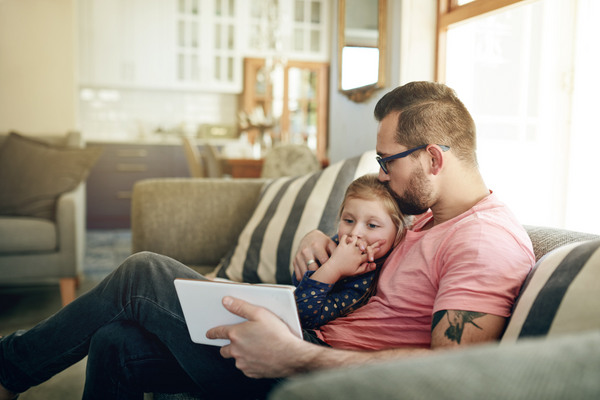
pixel 314 357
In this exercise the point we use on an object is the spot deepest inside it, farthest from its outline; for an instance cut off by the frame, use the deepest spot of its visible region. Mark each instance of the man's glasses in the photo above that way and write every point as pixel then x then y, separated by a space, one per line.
pixel 383 161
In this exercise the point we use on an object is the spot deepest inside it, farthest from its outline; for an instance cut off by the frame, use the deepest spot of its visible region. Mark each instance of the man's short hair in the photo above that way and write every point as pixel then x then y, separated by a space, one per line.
pixel 431 113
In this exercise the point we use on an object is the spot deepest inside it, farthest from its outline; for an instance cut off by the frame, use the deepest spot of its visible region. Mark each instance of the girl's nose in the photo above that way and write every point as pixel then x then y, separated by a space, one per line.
pixel 357 231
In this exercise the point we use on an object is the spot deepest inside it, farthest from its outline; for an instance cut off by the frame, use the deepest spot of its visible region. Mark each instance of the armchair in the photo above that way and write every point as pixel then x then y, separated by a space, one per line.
pixel 36 250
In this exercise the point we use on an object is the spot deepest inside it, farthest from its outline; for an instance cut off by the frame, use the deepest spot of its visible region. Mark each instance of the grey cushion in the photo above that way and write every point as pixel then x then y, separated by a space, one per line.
pixel 33 174
pixel 546 239
pixel 27 235
pixel 565 368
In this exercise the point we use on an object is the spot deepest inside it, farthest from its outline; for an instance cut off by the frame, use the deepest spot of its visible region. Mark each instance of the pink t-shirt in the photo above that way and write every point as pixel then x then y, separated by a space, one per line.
pixel 476 261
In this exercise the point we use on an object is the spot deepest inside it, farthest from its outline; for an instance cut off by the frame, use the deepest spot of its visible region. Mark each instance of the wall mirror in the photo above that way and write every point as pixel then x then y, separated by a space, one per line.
pixel 361 47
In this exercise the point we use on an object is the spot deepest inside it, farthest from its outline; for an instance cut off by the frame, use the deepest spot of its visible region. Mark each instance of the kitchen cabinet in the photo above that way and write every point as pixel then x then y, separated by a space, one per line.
pixel 193 44
pixel 161 44
pixel 111 180
pixel 303 26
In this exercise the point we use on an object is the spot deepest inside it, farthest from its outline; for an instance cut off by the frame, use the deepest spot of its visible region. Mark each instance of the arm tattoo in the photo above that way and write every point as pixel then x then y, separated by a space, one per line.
pixel 457 320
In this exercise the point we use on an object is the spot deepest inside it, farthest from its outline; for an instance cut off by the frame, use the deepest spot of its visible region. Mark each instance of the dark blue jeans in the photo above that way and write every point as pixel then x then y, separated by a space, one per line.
pixel 132 329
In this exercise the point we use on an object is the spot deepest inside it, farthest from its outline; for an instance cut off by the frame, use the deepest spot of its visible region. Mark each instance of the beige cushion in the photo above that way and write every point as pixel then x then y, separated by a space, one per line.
pixel 33 174
pixel 288 209
pixel 26 235
pixel 560 296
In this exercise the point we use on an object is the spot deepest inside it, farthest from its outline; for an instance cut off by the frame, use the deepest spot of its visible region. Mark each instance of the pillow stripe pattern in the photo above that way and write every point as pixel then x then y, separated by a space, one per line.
pixel 286 239
pixel 288 209
pixel 250 272
pixel 560 296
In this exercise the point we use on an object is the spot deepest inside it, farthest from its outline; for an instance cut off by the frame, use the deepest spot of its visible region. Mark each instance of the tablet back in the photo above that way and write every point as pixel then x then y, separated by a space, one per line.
pixel 202 306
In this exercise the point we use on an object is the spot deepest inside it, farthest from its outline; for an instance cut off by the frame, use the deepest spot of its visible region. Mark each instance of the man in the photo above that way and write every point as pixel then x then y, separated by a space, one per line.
pixel 451 282
pixel 463 261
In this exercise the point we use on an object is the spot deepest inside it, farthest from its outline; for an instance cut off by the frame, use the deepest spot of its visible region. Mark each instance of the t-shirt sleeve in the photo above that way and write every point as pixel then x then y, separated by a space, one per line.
pixel 481 267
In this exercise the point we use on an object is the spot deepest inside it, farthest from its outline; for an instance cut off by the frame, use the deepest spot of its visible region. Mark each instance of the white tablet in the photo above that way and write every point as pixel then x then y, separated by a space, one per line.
pixel 203 309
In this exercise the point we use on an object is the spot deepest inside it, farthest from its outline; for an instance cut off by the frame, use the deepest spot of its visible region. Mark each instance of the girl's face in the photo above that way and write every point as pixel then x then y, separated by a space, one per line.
pixel 368 220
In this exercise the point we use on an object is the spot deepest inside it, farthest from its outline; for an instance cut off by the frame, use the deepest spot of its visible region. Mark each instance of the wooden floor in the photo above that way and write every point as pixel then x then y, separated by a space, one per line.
pixel 24 307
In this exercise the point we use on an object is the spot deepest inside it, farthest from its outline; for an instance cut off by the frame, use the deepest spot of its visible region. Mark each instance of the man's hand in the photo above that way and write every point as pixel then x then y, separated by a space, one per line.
pixel 315 246
pixel 264 346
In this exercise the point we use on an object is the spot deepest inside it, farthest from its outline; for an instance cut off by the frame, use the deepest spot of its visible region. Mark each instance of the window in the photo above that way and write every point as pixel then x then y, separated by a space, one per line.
pixel 525 72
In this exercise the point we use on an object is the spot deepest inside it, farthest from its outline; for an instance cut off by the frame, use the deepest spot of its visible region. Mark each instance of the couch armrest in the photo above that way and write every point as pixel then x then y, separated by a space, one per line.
pixel 195 221
pixel 70 223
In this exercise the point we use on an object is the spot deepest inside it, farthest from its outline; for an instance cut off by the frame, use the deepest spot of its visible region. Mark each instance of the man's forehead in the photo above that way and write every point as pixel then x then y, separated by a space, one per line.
pixel 386 141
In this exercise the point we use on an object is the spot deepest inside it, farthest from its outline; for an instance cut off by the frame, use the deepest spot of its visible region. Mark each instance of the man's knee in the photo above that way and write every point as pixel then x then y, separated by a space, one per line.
pixel 143 259
pixel 145 263
pixel 149 268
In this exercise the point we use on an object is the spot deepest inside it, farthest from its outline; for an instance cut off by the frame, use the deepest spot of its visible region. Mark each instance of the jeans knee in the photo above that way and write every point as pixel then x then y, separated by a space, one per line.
pixel 154 267
pixel 142 258
pixel 141 263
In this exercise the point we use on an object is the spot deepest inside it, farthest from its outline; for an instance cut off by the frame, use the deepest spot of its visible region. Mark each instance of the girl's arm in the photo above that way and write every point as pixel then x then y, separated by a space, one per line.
pixel 319 303
pixel 337 288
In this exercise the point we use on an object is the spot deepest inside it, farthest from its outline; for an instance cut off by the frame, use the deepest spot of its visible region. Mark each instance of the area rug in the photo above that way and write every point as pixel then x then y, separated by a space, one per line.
pixel 105 251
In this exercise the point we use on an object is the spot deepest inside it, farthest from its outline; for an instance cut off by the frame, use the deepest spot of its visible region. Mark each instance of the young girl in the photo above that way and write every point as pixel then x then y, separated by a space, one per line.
pixel 345 282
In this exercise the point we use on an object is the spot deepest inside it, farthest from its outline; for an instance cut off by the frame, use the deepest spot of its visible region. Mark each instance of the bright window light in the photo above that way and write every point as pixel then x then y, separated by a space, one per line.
pixel 360 66
pixel 532 102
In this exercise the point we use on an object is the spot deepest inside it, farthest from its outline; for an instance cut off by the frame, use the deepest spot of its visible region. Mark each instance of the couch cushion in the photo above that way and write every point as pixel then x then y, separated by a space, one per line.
pixel 557 369
pixel 27 235
pixel 545 239
pixel 287 210
pixel 560 295
pixel 33 174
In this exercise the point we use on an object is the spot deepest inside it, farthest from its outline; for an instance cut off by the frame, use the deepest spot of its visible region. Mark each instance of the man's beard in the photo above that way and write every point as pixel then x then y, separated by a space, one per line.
pixel 416 199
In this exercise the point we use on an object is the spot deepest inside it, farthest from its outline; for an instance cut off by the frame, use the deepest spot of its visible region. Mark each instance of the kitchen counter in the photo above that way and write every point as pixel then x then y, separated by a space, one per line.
pixel 171 140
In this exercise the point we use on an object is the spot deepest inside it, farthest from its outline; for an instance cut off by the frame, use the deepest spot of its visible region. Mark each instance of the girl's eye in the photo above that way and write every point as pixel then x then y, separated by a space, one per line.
pixel 372 226
pixel 348 221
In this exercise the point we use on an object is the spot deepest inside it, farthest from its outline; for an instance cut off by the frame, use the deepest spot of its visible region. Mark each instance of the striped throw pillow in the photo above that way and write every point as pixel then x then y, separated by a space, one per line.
pixel 560 296
pixel 287 210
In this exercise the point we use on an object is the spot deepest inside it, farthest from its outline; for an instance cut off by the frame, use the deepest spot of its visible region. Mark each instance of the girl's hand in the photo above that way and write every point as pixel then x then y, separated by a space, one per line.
pixel 372 249
pixel 346 260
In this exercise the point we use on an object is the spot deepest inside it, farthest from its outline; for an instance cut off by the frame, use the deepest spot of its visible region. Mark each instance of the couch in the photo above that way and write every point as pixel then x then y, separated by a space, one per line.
pixel 38 250
pixel 196 221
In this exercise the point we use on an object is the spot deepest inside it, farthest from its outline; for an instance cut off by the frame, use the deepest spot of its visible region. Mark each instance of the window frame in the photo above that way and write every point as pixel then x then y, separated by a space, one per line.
pixel 451 14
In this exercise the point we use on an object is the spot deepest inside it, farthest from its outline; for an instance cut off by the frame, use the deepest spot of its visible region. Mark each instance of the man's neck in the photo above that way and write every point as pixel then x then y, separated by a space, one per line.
pixel 457 199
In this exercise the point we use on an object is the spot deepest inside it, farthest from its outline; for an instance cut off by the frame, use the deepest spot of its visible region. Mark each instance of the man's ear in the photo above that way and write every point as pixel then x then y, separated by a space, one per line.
pixel 436 159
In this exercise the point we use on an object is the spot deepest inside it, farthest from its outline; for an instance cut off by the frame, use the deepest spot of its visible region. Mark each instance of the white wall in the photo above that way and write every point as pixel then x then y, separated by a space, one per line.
pixel 411 56
pixel 38 66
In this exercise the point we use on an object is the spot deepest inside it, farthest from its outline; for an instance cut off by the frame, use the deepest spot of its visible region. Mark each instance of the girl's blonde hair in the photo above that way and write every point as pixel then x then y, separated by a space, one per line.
pixel 368 187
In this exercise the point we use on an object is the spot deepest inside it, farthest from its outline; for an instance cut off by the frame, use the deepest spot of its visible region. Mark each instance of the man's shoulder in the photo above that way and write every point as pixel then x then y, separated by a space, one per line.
pixel 489 224
pixel 496 233
pixel 490 214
